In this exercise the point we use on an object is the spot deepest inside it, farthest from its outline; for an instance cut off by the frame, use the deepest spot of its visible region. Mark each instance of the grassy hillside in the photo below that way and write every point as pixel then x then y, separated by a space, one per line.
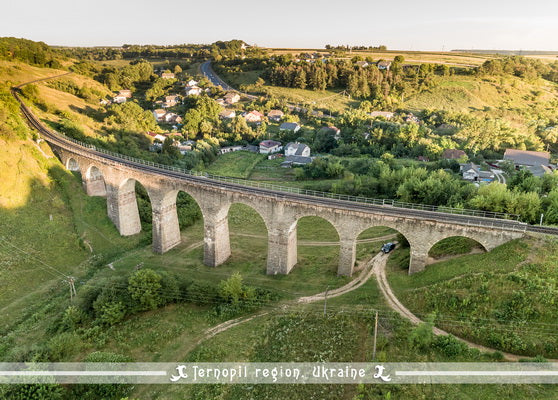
pixel 49 228
pixel 469 93
pixel 503 299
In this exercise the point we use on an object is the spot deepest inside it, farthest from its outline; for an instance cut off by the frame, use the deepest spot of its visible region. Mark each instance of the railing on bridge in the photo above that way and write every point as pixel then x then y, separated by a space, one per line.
pixel 304 192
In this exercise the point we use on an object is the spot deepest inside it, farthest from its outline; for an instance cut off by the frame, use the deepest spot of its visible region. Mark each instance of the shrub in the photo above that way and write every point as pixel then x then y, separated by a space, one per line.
pixel 145 288
pixel 450 346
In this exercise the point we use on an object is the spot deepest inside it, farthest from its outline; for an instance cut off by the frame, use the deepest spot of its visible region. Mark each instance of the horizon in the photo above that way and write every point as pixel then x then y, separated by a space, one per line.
pixel 432 25
pixel 300 48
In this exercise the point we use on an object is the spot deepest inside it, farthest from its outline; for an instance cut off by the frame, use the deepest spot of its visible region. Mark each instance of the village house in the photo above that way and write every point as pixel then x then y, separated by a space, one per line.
pixel 185 146
pixel 170 101
pixel 126 93
pixel 220 101
pixel 269 147
pixel 253 116
pixel 172 118
pixel 295 160
pixel 104 102
pixel 384 114
pixel 539 170
pixel 297 149
pixel 362 64
pixel 229 149
pixel 453 154
pixel 527 158
pixel 167 75
pixel 412 118
pixel 156 136
pixel 384 65
pixel 192 82
pixel 159 114
pixel 119 99
pixel 231 98
pixel 227 114
pixel 331 130
pixel 470 171
pixel 275 115
pixel 289 126
pixel 473 173
pixel 192 90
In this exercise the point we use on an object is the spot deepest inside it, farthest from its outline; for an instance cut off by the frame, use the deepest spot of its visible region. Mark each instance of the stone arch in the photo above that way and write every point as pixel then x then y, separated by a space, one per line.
pixel 94 182
pixel 317 236
pixel 72 164
pixel 370 239
pixel 411 241
pixel 467 242
pixel 248 231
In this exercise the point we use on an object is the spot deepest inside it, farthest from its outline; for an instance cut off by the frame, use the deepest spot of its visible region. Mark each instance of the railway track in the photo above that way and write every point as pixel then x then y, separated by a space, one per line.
pixel 392 208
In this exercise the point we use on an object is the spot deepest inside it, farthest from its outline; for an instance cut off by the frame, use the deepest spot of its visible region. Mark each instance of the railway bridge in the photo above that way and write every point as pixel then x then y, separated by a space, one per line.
pixel 114 176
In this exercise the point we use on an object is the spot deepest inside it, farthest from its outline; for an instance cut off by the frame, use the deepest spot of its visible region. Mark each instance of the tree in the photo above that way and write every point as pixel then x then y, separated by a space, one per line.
pixel 177 69
pixel 300 78
pixel 144 286
pixel 551 207
pixel 232 290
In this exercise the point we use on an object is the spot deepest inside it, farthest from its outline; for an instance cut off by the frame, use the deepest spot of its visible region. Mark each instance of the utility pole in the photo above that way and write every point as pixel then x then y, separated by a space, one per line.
pixel 375 334
pixel 71 281
pixel 325 301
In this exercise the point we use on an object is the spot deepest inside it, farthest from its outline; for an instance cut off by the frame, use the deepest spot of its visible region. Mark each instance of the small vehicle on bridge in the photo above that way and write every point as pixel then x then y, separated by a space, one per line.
pixel 387 247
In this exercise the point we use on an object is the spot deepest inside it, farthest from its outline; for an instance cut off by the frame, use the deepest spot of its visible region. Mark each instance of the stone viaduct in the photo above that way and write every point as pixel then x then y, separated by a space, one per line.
pixel 116 181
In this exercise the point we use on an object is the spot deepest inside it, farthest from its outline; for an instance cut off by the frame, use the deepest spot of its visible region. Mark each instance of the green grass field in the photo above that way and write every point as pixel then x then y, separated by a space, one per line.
pixel 238 164
pixel 503 299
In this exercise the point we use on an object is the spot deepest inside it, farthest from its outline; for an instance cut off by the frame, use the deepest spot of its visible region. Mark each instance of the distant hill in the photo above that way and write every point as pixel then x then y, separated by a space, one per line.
pixel 508 52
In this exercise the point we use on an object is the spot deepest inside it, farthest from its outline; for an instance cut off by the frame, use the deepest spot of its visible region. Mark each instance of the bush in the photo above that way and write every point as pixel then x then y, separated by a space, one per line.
pixel 450 346
pixel 31 392
pixel 72 318
pixel 145 288
pixel 62 346
pixel 421 336
pixel 103 391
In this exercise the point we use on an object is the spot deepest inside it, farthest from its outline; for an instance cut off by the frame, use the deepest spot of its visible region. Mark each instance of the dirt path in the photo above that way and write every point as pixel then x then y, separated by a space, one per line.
pixel 365 274
pixel 379 271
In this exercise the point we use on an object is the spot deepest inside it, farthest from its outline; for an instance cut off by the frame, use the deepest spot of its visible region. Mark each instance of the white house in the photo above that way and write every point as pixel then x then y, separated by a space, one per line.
pixel 227 114
pixel 192 82
pixel 231 98
pixel 386 65
pixel 126 93
pixel 269 147
pixel 289 126
pixel 157 136
pixel 193 90
pixel 275 115
pixel 172 118
pixel 385 114
pixel 159 114
pixel 297 149
pixel 170 101
pixel 470 172
pixel 118 99
pixel 253 116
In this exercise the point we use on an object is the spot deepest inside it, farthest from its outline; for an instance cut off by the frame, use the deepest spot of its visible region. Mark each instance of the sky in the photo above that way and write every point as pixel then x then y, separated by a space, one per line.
pixel 403 24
